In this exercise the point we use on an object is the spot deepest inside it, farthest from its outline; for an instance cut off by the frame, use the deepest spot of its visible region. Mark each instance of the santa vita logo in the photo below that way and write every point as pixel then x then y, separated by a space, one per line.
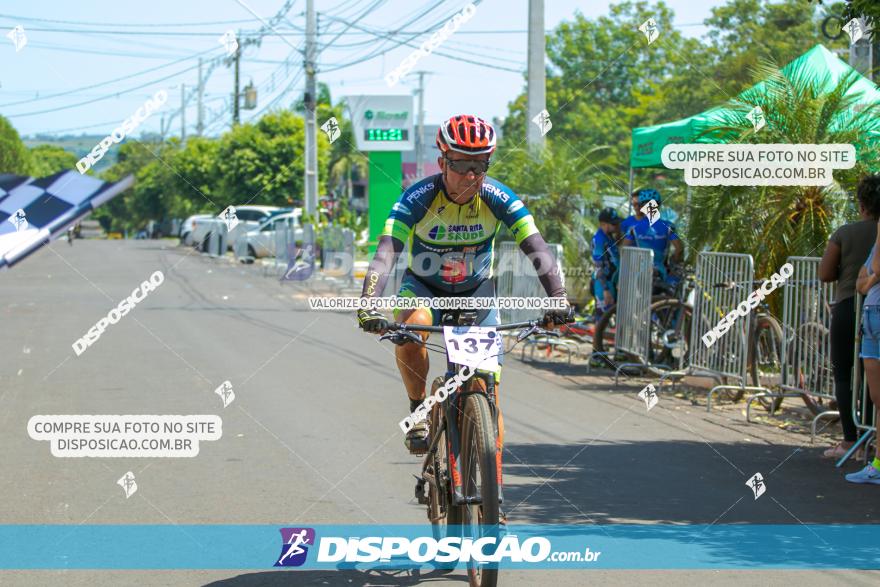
pixel 437 233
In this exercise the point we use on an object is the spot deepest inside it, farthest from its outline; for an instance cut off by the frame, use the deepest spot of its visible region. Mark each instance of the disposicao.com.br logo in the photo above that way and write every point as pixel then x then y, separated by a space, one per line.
pixel 403 547
pixel 295 546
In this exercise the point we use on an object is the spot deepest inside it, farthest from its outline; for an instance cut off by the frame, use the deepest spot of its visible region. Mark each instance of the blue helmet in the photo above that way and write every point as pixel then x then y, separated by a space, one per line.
pixel 648 194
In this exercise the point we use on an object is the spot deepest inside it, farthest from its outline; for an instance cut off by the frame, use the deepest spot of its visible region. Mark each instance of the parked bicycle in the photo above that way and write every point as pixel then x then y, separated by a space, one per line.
pixel 460 479
pixel 808 349
pixel 670 325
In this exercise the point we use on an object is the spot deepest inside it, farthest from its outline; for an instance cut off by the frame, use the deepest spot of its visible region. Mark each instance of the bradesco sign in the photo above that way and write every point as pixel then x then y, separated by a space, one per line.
pixel 382 123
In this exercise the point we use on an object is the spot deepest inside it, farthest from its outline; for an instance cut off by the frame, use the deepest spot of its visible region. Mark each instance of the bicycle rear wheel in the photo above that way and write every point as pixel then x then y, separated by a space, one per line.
pixel 765 358
pixel 810 352
pixel 479 478
pixel 603 334
pixel 670 332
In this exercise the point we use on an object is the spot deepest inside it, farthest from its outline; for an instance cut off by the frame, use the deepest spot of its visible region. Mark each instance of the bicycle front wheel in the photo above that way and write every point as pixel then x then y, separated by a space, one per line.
pixel 670 333
pixel 479 478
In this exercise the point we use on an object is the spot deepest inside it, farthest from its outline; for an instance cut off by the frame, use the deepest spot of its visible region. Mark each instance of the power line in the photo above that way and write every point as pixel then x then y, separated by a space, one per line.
pixel 370 8
pixel 122 24
pixel 137 33
pixel 107 82
pixel 107 97
pixel 52 47
pixel 409 44
pixel 381 50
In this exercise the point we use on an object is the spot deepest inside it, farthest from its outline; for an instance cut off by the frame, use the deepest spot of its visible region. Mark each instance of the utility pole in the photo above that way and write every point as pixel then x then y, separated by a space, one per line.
pixel 200 117
pixel 420 131
pixel 235 96
pixel 182 113
pixel 537 99
pixel 311 167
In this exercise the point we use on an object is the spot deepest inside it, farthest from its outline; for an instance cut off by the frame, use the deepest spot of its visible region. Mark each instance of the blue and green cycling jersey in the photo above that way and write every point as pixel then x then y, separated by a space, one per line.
pixel 656 237
pixel 627 223
pixel 606 257
pixel 451 245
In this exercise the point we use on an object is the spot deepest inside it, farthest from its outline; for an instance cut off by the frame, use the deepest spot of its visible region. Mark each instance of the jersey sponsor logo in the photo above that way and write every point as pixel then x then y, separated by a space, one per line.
pixel 517 205
pixel 398 207
pixel 456 232
pixel 416 194
pixel 498 193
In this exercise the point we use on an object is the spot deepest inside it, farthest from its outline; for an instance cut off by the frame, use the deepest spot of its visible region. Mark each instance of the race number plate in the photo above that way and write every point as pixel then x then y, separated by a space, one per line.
pixel 478 347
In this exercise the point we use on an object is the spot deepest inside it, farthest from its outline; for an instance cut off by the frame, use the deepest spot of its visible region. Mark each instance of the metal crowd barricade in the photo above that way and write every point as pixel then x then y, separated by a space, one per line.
pixel 337 253
pixel 633 332
pixel 515 277
pixel 863 408
pixel 806 345
pixel 217 237
pixel 723 281
pixel 285 234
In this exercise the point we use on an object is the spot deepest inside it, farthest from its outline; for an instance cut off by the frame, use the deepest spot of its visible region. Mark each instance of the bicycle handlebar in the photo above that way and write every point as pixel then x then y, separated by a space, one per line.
pixel 422 328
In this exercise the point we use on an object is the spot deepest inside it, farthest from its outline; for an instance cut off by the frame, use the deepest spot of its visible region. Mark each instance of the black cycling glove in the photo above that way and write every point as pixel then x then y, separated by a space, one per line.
pixel 563 316
pixel 371 320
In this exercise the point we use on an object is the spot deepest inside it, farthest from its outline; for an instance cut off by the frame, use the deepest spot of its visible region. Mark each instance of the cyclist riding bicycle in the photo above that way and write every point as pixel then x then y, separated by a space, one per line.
pixel 606 259
pixel 450 220
pixel 657 235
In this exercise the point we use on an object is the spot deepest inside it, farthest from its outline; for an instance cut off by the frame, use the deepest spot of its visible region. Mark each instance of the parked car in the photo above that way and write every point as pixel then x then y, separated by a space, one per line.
pixel 186 228
pixel 249 217
pixel 260 242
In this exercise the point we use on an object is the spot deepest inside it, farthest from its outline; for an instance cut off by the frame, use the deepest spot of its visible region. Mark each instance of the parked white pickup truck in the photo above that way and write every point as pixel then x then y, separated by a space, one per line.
pixel 263 240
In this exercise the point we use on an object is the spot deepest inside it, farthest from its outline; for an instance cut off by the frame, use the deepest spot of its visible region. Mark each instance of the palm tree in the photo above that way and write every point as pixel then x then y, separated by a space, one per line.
pixel 774 222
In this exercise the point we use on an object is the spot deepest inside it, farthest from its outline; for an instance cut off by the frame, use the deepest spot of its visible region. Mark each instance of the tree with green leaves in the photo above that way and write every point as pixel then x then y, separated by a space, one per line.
pixel 262 162
pixel 560 189
pixel 774 222
pixel 50 159
pixel 14 156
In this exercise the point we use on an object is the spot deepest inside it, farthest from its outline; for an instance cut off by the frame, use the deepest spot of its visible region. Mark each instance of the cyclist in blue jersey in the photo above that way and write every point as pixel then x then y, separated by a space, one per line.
pixel 450 221
pixel 636 215
pixel 606 260
pixel 658 236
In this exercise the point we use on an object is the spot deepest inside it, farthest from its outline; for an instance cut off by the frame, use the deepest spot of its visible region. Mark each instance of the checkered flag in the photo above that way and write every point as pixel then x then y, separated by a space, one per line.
pixel 50 204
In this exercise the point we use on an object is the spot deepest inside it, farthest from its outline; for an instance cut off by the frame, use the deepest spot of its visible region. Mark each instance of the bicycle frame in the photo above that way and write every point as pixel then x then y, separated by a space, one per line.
pixel 449 424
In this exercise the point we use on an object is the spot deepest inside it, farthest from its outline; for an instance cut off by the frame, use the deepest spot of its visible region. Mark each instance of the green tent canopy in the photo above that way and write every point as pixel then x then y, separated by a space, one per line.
pixel 825 67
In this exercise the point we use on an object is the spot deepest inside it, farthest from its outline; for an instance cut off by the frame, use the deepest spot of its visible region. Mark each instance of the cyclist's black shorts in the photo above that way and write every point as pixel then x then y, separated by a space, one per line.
pixel 412 286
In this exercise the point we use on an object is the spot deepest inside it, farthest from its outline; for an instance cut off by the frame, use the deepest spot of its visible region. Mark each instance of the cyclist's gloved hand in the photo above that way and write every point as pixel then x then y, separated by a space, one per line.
pixel 563 316
pixel 371 320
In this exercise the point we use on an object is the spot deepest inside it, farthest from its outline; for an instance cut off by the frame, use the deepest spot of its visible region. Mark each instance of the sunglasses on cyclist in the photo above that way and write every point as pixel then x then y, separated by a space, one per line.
pixel 463 166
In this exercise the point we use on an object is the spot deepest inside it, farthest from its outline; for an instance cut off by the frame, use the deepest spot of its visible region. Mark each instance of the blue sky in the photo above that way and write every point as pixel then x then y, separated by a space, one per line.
pixel 61 57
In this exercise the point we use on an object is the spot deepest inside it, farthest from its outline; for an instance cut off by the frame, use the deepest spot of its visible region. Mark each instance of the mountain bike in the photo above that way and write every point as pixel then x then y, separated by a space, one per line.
pixel 460 480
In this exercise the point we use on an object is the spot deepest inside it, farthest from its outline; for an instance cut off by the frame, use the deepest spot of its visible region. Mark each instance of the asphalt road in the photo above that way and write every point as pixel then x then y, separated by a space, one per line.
pixel 312 435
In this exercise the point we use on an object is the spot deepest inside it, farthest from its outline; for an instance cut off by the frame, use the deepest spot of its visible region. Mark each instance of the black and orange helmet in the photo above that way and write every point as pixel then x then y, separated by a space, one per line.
pixel 466 133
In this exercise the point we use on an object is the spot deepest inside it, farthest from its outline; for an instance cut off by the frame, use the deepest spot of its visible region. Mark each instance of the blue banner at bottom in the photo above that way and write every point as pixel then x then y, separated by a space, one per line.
pixel 417 546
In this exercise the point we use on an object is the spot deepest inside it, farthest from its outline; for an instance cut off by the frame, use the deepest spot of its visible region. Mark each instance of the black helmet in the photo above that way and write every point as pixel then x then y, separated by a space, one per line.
pixel 609 215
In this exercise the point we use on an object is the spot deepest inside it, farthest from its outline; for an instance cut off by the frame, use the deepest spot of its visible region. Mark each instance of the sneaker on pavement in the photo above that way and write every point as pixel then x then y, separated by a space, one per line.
pixel 867 475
